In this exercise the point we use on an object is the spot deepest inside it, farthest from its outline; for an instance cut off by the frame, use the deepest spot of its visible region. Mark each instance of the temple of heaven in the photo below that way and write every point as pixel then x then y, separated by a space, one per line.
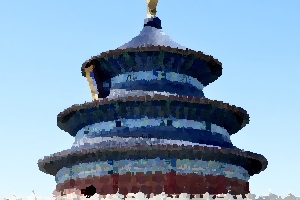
pixel 149 127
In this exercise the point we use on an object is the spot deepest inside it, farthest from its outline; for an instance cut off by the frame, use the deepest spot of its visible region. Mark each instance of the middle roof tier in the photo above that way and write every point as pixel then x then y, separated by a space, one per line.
pixel 231 118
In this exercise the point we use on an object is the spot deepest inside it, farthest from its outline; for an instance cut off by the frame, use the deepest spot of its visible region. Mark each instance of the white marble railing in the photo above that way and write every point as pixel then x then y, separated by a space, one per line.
pixel 141 196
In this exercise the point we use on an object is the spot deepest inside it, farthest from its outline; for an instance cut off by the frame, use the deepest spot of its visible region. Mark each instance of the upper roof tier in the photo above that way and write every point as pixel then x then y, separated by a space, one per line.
pixel 151 50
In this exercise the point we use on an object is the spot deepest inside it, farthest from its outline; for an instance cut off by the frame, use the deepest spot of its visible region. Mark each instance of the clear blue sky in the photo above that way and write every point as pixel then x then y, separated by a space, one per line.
pixel 44 43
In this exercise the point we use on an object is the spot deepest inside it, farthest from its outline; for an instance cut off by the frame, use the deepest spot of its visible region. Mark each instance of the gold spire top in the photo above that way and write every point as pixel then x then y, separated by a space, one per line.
pixel 151 8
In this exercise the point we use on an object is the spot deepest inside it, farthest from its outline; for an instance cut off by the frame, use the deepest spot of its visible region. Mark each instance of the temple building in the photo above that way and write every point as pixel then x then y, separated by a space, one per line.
pixel 149 127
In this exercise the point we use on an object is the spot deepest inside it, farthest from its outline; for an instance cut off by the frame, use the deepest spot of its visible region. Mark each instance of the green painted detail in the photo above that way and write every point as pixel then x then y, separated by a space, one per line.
pixel 117 106
pixel 104 64
pixel 169 65
pixel 193 111
pixel 208 126
pixel 160 58
pixel 168 103
pixel 128 59
pixel 190 61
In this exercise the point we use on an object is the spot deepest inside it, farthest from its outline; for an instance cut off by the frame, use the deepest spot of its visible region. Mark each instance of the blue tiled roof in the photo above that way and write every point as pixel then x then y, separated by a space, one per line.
pixel 151 35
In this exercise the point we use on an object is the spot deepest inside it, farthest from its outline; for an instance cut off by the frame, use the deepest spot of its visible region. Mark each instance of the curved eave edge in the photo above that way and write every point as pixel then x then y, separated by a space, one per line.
pixel 66 155
pixel 189 99
pixel 185 52
pixel 65 115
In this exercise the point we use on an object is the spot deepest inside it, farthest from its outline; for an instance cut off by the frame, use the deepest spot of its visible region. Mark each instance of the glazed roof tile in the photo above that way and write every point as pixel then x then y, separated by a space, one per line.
pixel 151 35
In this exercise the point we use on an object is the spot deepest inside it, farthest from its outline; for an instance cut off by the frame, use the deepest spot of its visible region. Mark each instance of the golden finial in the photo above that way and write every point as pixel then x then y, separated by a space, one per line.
pixel 151 8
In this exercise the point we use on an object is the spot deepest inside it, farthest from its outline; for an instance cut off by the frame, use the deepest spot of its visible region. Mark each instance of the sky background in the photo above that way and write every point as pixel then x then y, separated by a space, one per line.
pixel 44 43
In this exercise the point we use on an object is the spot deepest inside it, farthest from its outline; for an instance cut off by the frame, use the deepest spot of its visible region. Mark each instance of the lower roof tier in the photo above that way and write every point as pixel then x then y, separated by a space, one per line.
pixel 231 118
pixel 251 162
pixel 150 166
